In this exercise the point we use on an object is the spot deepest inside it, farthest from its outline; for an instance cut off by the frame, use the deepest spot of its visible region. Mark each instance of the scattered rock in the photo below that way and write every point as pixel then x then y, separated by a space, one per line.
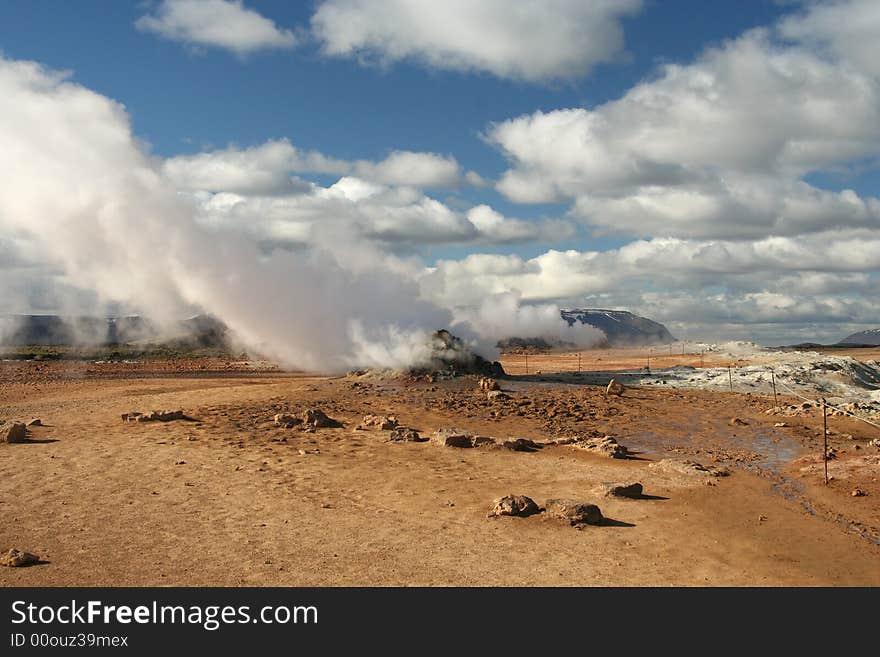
pixel 404 434
pixel 317 419
pixel 496 396
pixel 521 445
pixel 36 422
pixel 614 388
pixel 383 422
pixel 574 513
pixel 487 384
pixel 286 420
pixel 154 416
pixel 16 558
pixel 514 505
pixel 450 437
pixel 858 492
pixel 780 424
pixel 738 422
pixel 15 433
pixel 633 490
pixel 605 445
pixel 689 468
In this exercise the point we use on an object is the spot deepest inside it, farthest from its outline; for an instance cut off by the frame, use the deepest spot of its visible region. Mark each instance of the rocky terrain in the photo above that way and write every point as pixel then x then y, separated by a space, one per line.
pixel 262 477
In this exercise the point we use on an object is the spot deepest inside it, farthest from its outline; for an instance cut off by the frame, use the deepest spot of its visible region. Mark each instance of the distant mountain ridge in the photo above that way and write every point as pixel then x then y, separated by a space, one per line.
pixel 869 337
pixel 621 327
pixel 55 330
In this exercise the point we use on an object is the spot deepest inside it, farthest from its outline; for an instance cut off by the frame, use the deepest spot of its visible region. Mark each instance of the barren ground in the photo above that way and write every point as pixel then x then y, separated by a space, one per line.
pixel 230 499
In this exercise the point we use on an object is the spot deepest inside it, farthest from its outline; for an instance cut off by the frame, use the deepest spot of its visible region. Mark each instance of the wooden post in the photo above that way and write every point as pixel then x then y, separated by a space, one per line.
pixel 579 362
pixel 825 436
pixel 701 357
pixel 730 378
pixel 527 363
pixel 648 367
pixel 773 380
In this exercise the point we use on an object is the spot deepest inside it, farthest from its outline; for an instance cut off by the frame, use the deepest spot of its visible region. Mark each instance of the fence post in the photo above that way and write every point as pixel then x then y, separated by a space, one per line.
pixel 773 380
pixel 730 378
pixel 527 362
pixel 825 438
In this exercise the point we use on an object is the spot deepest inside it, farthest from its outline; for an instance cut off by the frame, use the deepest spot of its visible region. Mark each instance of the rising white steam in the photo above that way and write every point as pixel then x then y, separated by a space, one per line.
pixel 78 186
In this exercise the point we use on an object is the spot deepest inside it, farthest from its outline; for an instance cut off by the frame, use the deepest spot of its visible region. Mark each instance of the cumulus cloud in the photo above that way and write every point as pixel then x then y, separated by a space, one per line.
pixel 270 167
pixel 226 24
pixel 532 40
pixel 409 168
pixel 264 169
pixel 390 215
pixel 847 29
pixel 718 147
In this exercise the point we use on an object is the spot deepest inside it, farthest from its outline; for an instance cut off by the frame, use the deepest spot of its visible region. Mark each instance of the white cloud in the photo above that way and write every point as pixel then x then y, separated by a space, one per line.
pixel 270 167
pixel 847 29
pixel 409 168
pixel 224 24
pixel 392 216
pixel 533 40
pixel 715 148
pixel 263 169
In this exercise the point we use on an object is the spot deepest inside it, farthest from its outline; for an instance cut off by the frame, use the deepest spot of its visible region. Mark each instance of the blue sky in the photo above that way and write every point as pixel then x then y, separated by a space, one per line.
pixel 189 95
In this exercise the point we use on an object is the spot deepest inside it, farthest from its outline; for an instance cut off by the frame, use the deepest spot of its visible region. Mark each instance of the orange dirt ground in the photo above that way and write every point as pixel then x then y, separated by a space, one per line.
pixel 230 499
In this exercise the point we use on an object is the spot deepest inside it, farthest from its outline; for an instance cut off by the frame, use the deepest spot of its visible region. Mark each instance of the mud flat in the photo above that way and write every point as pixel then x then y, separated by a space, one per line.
pixel 229 496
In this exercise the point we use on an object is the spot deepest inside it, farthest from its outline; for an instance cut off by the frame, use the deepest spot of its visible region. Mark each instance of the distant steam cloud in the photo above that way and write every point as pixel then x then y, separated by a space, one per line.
pixel 79 188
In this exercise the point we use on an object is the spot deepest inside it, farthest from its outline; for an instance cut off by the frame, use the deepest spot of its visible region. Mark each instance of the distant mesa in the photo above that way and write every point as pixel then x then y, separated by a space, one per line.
pixel 621 328
pixel 870 338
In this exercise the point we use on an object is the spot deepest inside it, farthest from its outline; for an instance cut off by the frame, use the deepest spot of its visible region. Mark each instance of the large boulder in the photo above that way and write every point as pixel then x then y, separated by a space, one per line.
pixel 574 513
pixel 14 433
pixel 514 505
